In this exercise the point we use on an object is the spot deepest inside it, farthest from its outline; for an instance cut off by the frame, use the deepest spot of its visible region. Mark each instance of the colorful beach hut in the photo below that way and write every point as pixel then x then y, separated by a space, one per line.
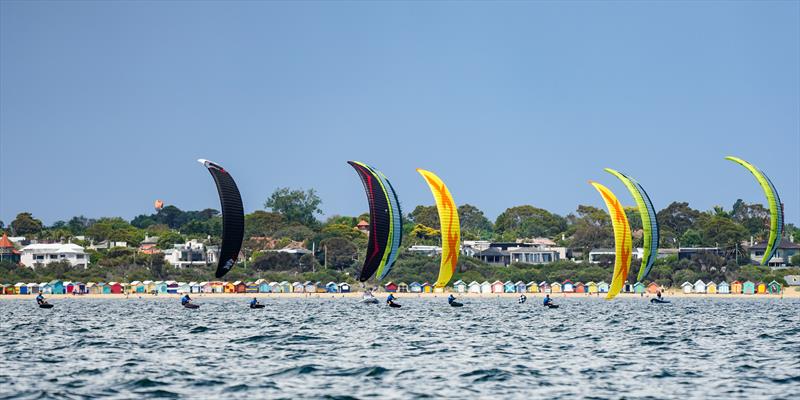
pixel 544 287
pixel 509 287
pixel 309 287
pixel 217 287
pixel 699 286
pixel 761 288
pixel 137 287
pixel 297 287
pixel 251 287
pixel 711 288
pixel 149 286
pixel 161 287
pixel 532 287
pixel 332 287
pixel 183 287
pixel 265 287
pixel 521 287
pixel 239 287
pixel 286 287
pixel 21 288
pixel 580 287
pixel 687 287
pixel 460 286
pixel 390 287
pixel 92 288
pixel 56 287
pixel 320 287
pixel 555 287
pixel 602 287
pixel 415 287
pixel 402 287
pixel 497 287
pixel 194 287
pixel 638 288
pixel 486 287
pixel 736 287
pixel 33 288
pixel 749 288
pixel 7 289
pixel 344 287
pixel 474 287
pixel 774 287
pixel 723 288
pixel 114 288
pixel 652 288
pixel 568 287
pixel 591 287
pixel 627 287
pixel 427 287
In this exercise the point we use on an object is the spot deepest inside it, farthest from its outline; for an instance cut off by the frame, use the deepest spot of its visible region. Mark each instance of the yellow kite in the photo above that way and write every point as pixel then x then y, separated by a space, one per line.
pixel 622 239
pixel 451 229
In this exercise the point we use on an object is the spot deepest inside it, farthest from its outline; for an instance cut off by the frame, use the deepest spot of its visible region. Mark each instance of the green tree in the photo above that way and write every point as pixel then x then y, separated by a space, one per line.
pixel 718 230
pixel 168 239
pixel 529 221
pixel 263 223
pixel 338 253
pixel 296 205
pixel 425 215
pixel 116 229
pixel 24 224
pixel 591 228
pixel 674 221
pixel 795 260
pixel 474 225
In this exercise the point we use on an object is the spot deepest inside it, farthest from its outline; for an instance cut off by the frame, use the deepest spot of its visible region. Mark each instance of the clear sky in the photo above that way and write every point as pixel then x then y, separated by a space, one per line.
pixel 105 106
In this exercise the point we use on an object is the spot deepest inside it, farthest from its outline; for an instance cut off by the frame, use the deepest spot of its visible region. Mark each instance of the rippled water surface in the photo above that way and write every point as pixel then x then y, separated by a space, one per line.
pixel 337 348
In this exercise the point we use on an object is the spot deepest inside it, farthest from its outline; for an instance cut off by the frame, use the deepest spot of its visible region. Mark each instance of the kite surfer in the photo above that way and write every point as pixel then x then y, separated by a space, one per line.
pixel 40 299
pixel 185 299
pixel 548 302
pixel 254 303
pixel 452 301
pixel 390 301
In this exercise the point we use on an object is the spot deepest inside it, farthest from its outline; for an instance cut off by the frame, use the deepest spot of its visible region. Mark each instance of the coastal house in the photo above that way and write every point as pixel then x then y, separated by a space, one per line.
pixel 390 287
pixel 568 287
pixel 544 287
pixel 7 250
pixel 217 287
pixel 310 287
pixel 652 288
pixel 699 286
pixel 45 253
pixel 415 287
pixel 497 287
pixel 509 287
pixel 580 287
pixel 149 286
pixel 748 287
pixel 736 287
pixel 190 253
pixel 297 287
pixel 427 287
pixel 521 287
pixel 591 287
pixel 251 287
pixel 638 288
pixel 92 288
pixel 687 287
pixel 459 286
pixel 68 287
pixel 136 287
pixel 228 287
pixel 723 288
pixel 240 287
pixel 761 288
pixel 783 253
pixel 532 287
pixel 332 287
pixel 402 287
pixel 115 287
pixel 474 287
pixel 555 287
pixel 344 287
pixel 486 287
pixel 774 287
pixel 711 288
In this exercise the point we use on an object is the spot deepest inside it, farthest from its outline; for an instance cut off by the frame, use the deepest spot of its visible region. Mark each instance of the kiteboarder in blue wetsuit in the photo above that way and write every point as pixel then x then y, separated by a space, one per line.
pixel 390 299
pixel 40 299
pixel 548 301
pixel 253 303
pixel 451 299
pixel 185 299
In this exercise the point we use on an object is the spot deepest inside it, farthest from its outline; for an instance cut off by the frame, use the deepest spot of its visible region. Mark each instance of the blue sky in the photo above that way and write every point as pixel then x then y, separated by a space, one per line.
pixel 105 106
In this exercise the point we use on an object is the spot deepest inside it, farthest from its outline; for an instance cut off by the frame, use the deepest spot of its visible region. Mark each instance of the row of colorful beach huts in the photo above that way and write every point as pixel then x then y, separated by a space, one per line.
pixel 589 287
pixel 262 286
pixel 173 287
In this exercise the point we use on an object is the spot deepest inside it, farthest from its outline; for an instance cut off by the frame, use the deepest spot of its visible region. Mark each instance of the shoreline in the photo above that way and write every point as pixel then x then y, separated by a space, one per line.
pixel 788 294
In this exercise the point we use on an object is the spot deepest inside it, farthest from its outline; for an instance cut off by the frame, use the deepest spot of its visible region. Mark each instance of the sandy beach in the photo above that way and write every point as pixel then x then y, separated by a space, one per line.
pixel 790 293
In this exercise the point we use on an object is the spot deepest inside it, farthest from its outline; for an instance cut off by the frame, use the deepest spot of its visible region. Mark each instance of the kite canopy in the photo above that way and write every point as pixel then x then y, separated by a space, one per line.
pixel 649 221
pixel 622 239
pixel 385 222
pixel 451 229
pixel 775 210
pixel 232 217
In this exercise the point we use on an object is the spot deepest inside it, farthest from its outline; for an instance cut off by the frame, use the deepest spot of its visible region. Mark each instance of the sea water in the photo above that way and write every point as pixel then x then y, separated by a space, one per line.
pixel 338 348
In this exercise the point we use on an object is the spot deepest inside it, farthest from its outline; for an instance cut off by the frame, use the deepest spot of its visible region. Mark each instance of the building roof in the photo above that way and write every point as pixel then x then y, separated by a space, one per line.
pixel 785 244
pixel 53 248
pixel 5 243
pixel 491 251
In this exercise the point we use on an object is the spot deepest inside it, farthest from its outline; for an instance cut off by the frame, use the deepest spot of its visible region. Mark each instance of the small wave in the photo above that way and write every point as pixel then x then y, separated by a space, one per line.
pixel 487 375
pixel 143 383
pixel 200 329
pixel 296 371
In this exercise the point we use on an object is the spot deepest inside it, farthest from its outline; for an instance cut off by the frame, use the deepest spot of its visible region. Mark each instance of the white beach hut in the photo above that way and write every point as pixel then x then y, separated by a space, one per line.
pixel 699 286
pixel 474 287
pixel 486 287
pixel 687 287
pixel 724 288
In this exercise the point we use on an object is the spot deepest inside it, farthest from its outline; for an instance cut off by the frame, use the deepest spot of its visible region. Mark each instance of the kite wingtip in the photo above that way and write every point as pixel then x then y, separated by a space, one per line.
pixel 203 161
